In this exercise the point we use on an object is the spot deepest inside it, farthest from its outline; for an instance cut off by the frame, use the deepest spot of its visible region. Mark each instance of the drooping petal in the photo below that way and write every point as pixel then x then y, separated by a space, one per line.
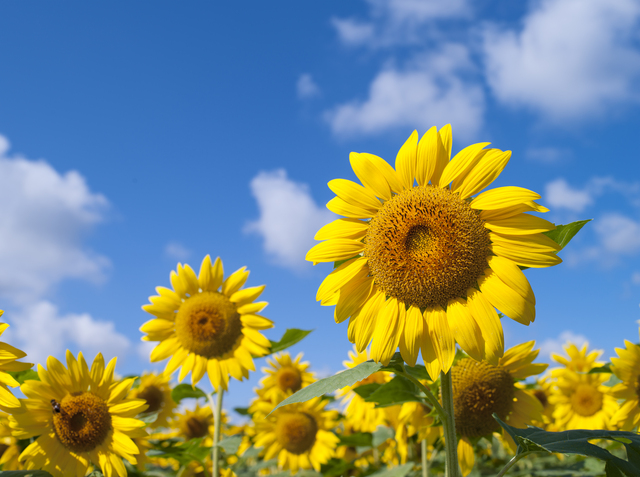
pixel 386 336
pixel 511 274
pixel 489 323
pixel 465 329
pixel 466 458
pixel 441 336
pixel 506 299
pixel 412 335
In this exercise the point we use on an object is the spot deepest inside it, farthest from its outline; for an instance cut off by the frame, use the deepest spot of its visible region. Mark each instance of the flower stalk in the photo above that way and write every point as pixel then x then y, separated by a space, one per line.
pixel 449 424
pixel 217 418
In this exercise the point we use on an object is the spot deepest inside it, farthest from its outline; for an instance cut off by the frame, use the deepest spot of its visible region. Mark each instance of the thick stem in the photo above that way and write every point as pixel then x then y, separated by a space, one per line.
pixel 512 462
pixel 217 419
pixel 425 459
pixel 451 442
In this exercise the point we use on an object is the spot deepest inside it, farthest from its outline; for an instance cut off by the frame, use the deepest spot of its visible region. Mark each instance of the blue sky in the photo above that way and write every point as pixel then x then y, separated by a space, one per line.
pixel 136 135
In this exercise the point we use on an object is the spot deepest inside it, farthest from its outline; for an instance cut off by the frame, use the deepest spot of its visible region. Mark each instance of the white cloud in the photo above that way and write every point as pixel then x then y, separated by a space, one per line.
pixel 144 349
pixel 44 215
pixel 561 195
pixel 431 90
pixel 289 217
pixel 40 331
pixel 635 278
pixel 177 251
pixel 554 345
pixel 571 59
pixel 397 21
pixel 618 234
pixel 306 87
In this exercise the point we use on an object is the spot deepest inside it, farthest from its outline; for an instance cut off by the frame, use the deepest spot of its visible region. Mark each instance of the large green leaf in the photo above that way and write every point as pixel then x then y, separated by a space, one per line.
pixel 327 385
pixel 290 337
pixel 365 390
pixel 563 234
pixel 22 376
pixel 184 391
pixel 357 439
pixel 231 444
pixel 534 439
pixel 606 368
pixel 397 391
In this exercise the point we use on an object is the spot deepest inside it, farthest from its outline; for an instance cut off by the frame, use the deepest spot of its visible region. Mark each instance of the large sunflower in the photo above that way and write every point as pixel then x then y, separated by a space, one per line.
pixel 81 417
pixel 155 389
pixel 299 435
pixel 207 324
pixel 426 265
pixel 8 402
pixel 627 368
pixel 481 389
pixel 581 400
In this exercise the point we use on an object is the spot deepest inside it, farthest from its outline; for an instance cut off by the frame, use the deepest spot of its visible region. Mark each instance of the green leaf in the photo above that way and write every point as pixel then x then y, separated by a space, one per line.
pixel 357 439
pixel 365 390
pixel 397 391
pixel 231 444
pixel 534 439
pixel 148 417
pixel 185 391
pixel 399 471
pixel 606 368
pixel 28 473
pixel 418 371
pixel 336 467
pixel 612 470
pixel 338 381
pixel 243 411
pixel 290 337
pixel 381 434
pixel 562 234
pixel 22 376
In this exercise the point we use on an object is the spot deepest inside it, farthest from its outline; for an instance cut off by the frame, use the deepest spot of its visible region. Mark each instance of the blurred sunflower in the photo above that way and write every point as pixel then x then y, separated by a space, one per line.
pixel 581 401
pixel 9 448
pixel 81 417
pixel 299 435
pixel 627 368
pixel 192 424
pixel 481 389
pixel 8 402
pixel 425 265
pixel 285 376
pixel 207 324
pixel 542 392
pixel 362 416
pixel 154 388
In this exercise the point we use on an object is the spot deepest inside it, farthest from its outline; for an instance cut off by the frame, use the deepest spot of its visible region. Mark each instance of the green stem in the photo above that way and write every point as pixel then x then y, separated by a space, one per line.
pixel 512 462
pixel 427 392
pixel 425 460
pixel 451 441
pixel 217 420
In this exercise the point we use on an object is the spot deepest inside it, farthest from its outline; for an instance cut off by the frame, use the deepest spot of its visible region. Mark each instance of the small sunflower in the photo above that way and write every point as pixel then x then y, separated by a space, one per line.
pixel 426 265
pixel 155 389
pixel 542 391
pixel 481 389
pixel 299 435
pixel 627 368
pixel 285 376
pixel 9 448
pixel 581 400
pixel 8 402
pixel 207 324
pixel 362 416
pixel 81 417
pixel 192 424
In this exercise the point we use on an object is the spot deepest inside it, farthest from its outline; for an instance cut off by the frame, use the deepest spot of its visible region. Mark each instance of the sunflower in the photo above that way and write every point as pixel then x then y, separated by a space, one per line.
pixel 362 416
pixel 81 417
pixel 627 368
pixel 542 392
pixel 9 448
pixel 581 400
pixel 192 424
pixel 8 402
pixel 207 324
pixel 299 435
pixel 154 388
pixel 285 376
pixel 481 389
pixel 425 265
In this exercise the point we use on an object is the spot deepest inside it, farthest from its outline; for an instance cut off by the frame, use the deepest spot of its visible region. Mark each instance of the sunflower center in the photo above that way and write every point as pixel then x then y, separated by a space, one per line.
pixel 479 390
pixel 296 431
pixel 426 246
pixel 586 400
pixel 542 397
pixel 154 397
pixel 289 379
pixel 195 428
pixel 638 386
pixel 83 422
pixel 208 324
pixel 3 449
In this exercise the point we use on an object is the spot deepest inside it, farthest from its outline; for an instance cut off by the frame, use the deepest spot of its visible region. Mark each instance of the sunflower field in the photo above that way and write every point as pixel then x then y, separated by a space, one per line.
pixel 425 263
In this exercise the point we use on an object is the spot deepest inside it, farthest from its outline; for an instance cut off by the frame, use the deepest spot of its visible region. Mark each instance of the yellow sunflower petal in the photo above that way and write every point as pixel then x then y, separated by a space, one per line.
pixel 355 194
pixel 412 335
pixel 511 274
pixel 246 295
pixel 343 228
pixel 484 173
pixel 511 211
pixel 462 161
pixel 369 175
pixel 233 283
pixel 525 257
pixel 441 336
pixel 489 324
pixel 465 329
pixel 533 242
pixel 342 207
pixel 406 160
pixel 332 250
pixel 340 277
pixel 466 458
pixel 521 224
pixel 506 299
pixel 430 150
pixel 502 197
pixel 388 330
pixel 367 318
pixel 164 349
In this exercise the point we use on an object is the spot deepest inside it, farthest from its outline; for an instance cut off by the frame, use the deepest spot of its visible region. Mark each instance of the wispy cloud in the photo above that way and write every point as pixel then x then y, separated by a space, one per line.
pixel 306 87
pixel 289 218
pixel 554 345
pixel 177 251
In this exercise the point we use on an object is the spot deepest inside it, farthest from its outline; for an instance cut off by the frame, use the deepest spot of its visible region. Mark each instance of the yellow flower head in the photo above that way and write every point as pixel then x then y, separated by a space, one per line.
pixel 9 448
pixel 481 389
pixel 81 416
pixel 299 435
pixel 154 388
pixel 362 416
pixel 627 367
pixel 207 324
pixel 426 264
pixel 8 402
pixel 194 424
pixel 285 376
pixel 581 400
